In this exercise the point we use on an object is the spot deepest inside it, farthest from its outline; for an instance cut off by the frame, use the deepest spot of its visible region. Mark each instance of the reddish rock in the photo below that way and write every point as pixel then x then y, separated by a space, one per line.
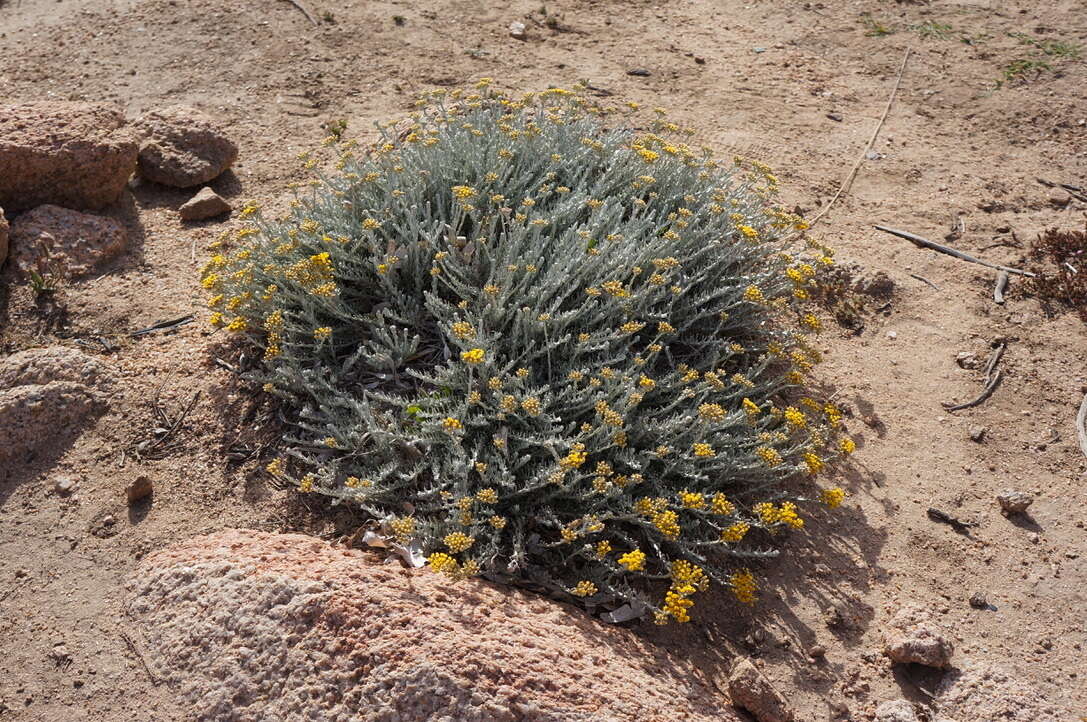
pixel 205 204
pixel 46 395
pixel 252 626
pixel 750 690
pixel 55 240
pixel 182 147
pixel 77 155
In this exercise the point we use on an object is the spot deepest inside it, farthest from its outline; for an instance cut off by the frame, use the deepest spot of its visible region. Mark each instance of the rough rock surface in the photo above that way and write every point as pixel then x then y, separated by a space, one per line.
pixel 257 626
pixel 750 690
pixel 1014 502
pixel 46 395
pixel 182 147
pixel 205 204
pixel 51 239
pixel 898 710
pixel 4 228
pixel 915 639
pixel 78 155
pixel 982 693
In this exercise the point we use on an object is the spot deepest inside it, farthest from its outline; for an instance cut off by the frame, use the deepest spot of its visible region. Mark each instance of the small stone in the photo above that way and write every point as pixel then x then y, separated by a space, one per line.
pixel 750 690
pixel 21 573
pixel 517 30
pixel 892 335
pixel 205 204
pixel 64 486
pixel 977 433
pixel 978 601
pixel 966 360
pixel 760 50
pixel 139 489
pixel 817 651
pixel 916 640
pixel 836 117
pixel 898 710
pixel 639 72
pixel 109 520
pixel 1014 502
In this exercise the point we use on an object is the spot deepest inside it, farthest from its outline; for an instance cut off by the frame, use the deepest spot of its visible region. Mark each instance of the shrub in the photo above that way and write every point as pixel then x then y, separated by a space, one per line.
pixel 542 349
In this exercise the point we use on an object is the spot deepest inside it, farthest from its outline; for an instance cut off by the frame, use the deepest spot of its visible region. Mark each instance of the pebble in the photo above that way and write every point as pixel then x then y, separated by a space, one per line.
pixel 816 651
pixel 977 433
pixel 836 117
pixel 639 72
pixel 978 600
pixel 139 489
pixel 64 485
pixel 517 30
pixel 892 334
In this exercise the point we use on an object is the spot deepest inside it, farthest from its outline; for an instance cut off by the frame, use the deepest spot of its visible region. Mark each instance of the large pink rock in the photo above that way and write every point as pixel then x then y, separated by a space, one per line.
pixel 255 626
pixel 182 147
pixel 56 241
pixel 47 395
pixel 78 155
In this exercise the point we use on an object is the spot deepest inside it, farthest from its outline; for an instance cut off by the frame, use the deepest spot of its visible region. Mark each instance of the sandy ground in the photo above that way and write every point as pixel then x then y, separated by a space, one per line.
pixel 761 78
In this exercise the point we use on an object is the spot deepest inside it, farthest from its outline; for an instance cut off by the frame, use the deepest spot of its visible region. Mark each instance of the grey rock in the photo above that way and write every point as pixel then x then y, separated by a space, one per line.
pixel 182 147
pixel 914 639
pixel 64 485
pixel 1014 502
pixel 139 489
pixel 977 433
pixel 897 710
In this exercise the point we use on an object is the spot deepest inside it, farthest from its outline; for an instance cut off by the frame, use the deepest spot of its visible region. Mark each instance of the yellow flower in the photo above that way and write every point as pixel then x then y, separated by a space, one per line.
pixel 735 532
pixel 847 445
pixel 647 155
pixel 744 586
pixel 497 522
pixel 665 327
pixel 322 333
pixel 754 294
pixel 370 224
pixel 748 231
pixel 458 541
pixel 711 412
pixel 473 356
pixel 487 496
pixel 584 588
pixel 463 192
pixel 721 505
pixel 667 523
pixel 833 497
pixel 768 455
pixel 692 500
pixel 703 450
pixel 633 560
pixel 305 485
pixel 452 424
pixel 603 549
pixel 646 383
pixel 531 406
pixel 795 418
pixel 441 562
pixel 813 462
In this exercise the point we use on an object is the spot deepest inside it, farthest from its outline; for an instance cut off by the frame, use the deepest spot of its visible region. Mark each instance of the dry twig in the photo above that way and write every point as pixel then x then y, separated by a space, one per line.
pixel 857 166
pixel 991 381
pixel 1081 426
pixel 1000 287
pixel 926 243
pixel 307 13
pixel 136 651
pixel 925 280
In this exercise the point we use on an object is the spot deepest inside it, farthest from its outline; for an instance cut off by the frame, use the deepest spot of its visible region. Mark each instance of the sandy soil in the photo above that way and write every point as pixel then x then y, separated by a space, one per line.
pixel 761 78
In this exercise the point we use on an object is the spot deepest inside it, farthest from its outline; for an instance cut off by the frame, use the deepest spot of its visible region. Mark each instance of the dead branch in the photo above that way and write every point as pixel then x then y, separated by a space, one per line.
pixel 991 381
pixel 307 13
pixel 1081 426
pixel 926 243
pixel 857 166
pixel 925 280
pixel 143 662
pixel 1000 287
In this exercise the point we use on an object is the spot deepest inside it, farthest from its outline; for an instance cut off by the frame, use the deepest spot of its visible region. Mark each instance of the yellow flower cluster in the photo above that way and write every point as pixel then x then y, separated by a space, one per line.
pixel 402 528
pixel 633 560
pixel 474 356
pixel 711 412
pixel 832 497
pixel 703 450
pixel 735 532
pixel 458 541
pixel 744 586
pixel 785 514
pixel 584 588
